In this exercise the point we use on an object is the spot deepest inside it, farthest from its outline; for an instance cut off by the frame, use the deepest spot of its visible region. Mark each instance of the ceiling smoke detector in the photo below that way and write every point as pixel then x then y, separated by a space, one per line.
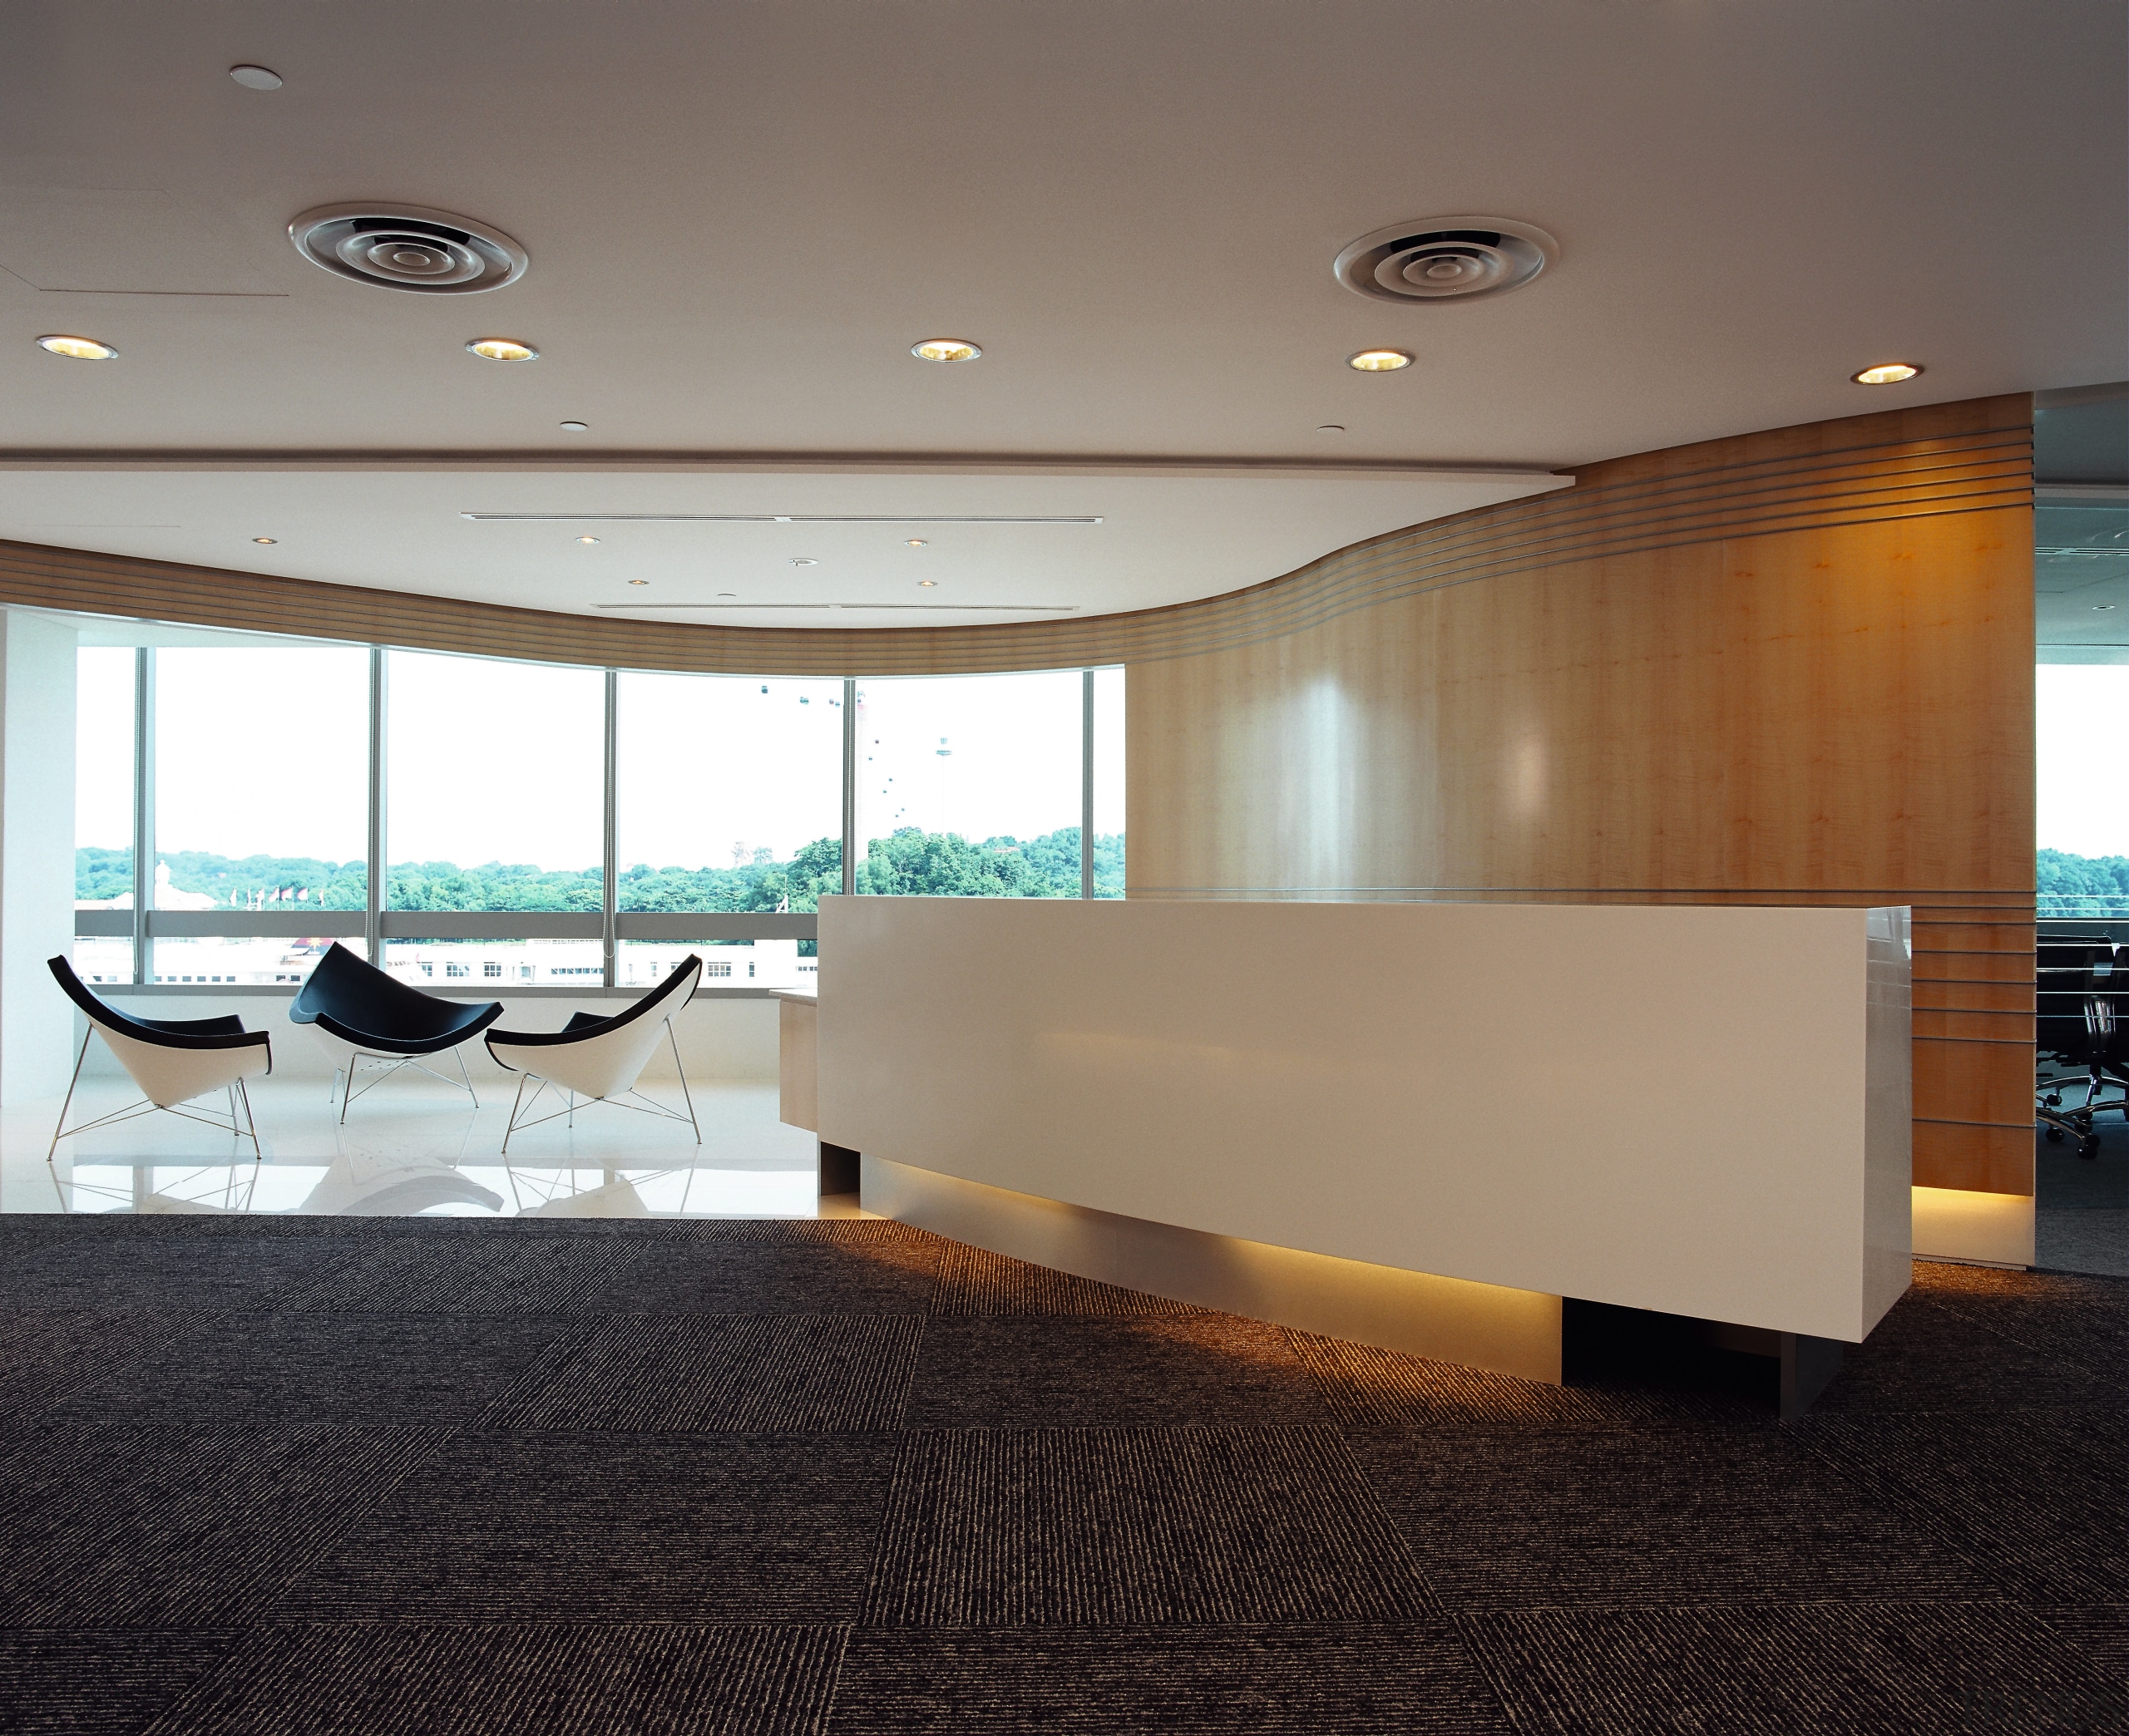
pixel 1444 259
pixel 407 247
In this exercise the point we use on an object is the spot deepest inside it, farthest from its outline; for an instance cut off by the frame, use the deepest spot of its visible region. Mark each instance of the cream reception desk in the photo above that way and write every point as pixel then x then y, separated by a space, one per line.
pixel 1416 1125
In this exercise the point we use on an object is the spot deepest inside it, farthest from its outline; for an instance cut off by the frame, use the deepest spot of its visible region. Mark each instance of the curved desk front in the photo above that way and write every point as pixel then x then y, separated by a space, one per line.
pixel 1417 1125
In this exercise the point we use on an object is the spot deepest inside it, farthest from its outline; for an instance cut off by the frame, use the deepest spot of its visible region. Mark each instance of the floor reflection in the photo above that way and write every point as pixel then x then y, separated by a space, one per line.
pixel 423 1154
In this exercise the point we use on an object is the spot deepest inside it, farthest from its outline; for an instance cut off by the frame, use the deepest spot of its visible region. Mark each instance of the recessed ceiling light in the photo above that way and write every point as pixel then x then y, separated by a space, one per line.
pixel 945 349
pixel 639 581
pixel 918 542
pixel 803 561
pixel 76 349
pixel 575 427
pixel 1378 361
pixel 727 593
pixel 502 349
pixel 1331 428
pixel 927 585
pixel 266 539
pixel 1886 373
pixel 587 539
pixel 2101 608
pixel 256 78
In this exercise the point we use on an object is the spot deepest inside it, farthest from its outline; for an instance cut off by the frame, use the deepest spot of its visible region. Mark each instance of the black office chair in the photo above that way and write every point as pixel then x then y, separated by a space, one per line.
pixel 362 1014
pixel 2081 1022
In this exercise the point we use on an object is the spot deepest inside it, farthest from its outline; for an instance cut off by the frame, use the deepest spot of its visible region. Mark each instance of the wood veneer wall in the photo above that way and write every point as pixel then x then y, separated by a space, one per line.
pixel 1794 667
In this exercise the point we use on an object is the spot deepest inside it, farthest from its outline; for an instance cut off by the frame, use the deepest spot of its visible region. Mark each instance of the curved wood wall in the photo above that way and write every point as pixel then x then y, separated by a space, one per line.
pixel 1794 667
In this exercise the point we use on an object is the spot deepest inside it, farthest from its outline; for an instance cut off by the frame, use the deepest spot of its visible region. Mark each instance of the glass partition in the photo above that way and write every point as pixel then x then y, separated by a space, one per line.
pixel 103 804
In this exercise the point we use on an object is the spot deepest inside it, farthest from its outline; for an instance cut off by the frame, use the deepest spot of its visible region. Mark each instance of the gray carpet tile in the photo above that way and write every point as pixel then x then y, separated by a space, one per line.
pixel 2098 1633
pixel 973 1282
pixel 1806 1669
pixel 2056 1313
pixel 1358 1679
pixel 2044 1510
pixel 554 1679
pixel 1502 1518
pixel 48 1353
pixel 472 1274
pixel 78 1683
pixel 151 1524
pixel 1926 1356
pixel 1010 1527
pixel 59 1269
pixel 1367 1389
pixel 981 1371
pixel 561 1526
pixel 404 1370
pixel 759 1373
pixel 825 1275
pixel 2083 1239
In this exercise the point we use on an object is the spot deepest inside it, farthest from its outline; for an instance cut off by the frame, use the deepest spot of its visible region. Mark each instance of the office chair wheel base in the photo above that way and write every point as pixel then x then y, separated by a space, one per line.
pixel 2088 1146
pixel 2055 1136
pixel 2054 1100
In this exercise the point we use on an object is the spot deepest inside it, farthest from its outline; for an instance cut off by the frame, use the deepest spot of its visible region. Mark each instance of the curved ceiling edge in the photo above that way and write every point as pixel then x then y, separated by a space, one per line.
pixel 1975 456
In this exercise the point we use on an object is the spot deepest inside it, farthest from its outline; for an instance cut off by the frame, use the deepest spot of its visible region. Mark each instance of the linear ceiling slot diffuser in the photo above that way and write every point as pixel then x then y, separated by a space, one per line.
pixel 775 518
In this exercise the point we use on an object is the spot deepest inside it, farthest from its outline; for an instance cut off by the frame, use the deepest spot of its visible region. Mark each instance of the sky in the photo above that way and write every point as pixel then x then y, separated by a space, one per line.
pixel 266 751
pixel 2082 729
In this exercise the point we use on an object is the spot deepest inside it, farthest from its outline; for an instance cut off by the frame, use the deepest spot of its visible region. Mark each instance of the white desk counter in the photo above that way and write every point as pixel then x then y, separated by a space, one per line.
pixel 1698 1110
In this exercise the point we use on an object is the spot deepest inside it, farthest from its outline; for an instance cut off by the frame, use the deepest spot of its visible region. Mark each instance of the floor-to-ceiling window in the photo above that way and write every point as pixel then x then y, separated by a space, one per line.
pixel 556 827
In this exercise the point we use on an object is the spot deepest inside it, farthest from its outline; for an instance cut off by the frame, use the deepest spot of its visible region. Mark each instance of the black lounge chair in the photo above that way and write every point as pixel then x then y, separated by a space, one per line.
pixel 360 1014
pixel 171 1060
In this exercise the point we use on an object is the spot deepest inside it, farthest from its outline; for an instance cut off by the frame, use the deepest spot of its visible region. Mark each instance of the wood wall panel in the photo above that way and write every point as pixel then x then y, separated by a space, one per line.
pixel 1791 668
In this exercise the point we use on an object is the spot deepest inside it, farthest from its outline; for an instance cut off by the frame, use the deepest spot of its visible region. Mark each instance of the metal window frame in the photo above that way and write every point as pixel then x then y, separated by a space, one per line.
pixel 376 923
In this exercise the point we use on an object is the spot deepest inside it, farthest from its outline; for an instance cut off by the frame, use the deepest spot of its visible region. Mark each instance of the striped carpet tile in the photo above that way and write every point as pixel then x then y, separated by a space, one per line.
pixel 558 1680
pixel 1007 1527
pixel 1515 1518
pixel 474 1274
pixel 1805 1669
pixel 973 1282
pixel 558 1525
pixel 1366 1388
pixel 113 1526
pixel 2041 1500
pixel 1415 1679
pixel 48 1353
pixel 75 1683
pixel 766 1373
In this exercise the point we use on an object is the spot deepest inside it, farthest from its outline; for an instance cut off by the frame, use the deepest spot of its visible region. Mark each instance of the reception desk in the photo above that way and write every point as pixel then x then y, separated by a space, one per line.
pixel 1420 1125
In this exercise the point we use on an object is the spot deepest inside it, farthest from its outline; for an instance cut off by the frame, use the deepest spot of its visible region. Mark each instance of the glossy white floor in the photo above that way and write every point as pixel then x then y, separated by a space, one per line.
pixel 413 1146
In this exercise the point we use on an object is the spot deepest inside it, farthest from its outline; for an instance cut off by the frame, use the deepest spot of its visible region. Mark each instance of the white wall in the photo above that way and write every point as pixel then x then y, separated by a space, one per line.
pixel 37 852
pixel 719 1039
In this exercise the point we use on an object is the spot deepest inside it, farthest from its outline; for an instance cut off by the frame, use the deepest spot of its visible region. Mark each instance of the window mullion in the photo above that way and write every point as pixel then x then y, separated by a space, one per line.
pixel 609 896
pixel 374 920
pixel 144 810
pixel 1086 783
pixel 849 786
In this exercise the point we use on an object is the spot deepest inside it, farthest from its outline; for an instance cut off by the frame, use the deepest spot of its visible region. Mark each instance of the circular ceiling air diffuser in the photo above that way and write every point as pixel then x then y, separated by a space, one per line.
pixel 407 247
pixel 1445 259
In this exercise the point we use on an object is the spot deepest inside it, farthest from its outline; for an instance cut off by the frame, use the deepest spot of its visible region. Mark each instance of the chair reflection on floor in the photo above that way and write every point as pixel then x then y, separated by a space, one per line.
pixel 599 1058
pixel 172 1061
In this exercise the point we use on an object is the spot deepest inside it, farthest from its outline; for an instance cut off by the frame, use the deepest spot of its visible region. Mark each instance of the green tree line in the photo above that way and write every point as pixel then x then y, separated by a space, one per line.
pixel 2076 886
pixel 909 861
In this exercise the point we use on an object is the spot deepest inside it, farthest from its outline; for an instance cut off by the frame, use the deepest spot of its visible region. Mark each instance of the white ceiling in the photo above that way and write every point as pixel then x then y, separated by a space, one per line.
pixel 740 215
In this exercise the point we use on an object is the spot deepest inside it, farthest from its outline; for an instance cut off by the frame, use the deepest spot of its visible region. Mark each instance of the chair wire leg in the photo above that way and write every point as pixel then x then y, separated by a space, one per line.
pixel 250 1121
pixel 512 1127
pixel 69 1102
pixel 687 1096
pixel 459 1055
